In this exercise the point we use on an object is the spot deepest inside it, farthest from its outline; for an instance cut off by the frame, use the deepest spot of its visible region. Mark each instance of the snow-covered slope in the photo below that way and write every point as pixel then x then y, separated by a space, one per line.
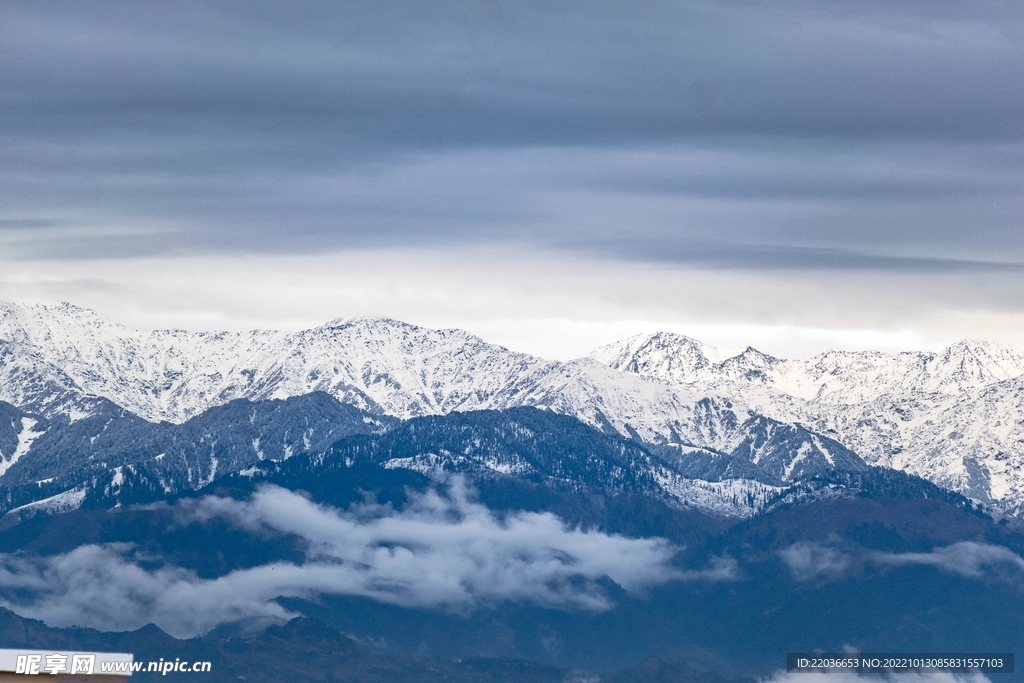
pixel 382 366
pixel 954 417
pixel 66 357
pixel 843 377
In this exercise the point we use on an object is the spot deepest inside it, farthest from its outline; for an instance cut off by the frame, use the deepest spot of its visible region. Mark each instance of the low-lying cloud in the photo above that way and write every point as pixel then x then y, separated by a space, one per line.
pixel 965 558
pixel 437 552
pixel 807 561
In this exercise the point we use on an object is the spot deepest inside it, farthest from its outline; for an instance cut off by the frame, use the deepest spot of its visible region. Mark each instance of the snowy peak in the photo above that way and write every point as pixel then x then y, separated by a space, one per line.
pixel 68 333
pixel 380 365
pixel 750 366
pixel 848 376
pixel 972 364
pixel 865 375
pixel 679 359
pixel 662 355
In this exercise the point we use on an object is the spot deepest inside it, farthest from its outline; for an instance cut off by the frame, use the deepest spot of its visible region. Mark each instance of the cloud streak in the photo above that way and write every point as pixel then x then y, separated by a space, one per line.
pixel 815 561
pixel 445 553
pixel 966 558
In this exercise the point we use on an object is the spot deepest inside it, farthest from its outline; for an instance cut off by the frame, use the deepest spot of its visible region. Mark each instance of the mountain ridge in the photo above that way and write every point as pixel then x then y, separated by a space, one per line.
pixel 955 417
pixel 912 411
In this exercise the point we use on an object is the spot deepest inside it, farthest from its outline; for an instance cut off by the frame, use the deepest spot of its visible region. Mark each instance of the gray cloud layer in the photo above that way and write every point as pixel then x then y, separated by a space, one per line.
pixel 442 553
pixel 798 134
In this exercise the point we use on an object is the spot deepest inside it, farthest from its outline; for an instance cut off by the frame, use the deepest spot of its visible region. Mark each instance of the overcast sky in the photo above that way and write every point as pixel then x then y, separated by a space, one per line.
pixel 794 175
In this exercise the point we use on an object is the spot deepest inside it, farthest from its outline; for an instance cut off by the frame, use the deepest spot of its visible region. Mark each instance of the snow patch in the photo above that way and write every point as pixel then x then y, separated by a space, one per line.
pixel 213 472
pixel 824 451
pixel 25 438
pixel 76 414
pixel 71 499
pixel 801 454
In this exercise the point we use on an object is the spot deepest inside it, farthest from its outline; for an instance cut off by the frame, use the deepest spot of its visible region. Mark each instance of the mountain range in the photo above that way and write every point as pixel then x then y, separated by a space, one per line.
pixel 711 421
pixel 955 417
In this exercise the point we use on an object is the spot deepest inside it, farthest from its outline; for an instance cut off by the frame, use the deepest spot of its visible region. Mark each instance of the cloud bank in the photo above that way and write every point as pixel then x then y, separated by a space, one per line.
pixel 446 553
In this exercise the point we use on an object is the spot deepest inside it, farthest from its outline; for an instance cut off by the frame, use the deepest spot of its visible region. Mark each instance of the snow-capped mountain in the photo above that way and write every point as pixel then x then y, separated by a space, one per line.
pixel 60 356
pixel 381 366
pixel 955 417
pixel 952 417
pixel 844 377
